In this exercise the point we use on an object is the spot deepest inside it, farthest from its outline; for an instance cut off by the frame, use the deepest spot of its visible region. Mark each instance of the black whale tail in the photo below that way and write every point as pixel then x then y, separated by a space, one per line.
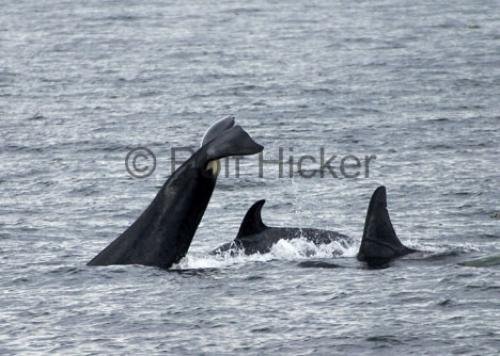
pixel 163 233
pixel 224 139
pixel 252 222
pixel 217 129
pixel 380 243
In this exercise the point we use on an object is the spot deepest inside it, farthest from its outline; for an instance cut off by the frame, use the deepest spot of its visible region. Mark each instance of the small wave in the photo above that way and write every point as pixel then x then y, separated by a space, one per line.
pixel 318 264
pixel 318 91
pixel 437 253
pixel 66 270
pixel 21 148
pixel 243 10
pixel 439 119
pixel 122 17
pixel 446 302
pixel 36 117
pixel 193 272
pixel 385 339
pixel 85 191
pixel 490 261
pixel 496 215
pixel 440 146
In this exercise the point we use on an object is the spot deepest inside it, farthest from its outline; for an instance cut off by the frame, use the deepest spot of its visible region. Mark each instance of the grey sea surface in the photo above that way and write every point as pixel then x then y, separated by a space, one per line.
pixel 416 84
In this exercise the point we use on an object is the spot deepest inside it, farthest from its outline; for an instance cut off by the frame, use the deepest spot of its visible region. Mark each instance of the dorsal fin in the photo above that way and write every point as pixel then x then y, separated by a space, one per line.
pixel 252 222
pixel 380 243
pixel 217 129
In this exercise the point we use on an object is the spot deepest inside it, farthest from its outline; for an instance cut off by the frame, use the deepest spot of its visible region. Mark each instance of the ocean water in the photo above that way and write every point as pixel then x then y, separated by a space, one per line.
pixel 415 84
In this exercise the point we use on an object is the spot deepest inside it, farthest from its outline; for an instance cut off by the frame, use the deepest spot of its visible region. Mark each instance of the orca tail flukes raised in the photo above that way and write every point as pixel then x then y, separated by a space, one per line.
pixel 226 139
pixel 217 129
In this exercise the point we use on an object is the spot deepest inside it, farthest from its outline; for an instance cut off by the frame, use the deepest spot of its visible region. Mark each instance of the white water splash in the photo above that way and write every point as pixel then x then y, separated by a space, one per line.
pixel 302 249
pixel 288 250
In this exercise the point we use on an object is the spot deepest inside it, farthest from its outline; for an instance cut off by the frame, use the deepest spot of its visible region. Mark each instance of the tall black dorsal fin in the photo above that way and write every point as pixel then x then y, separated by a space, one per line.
pixel 252 222
pixel 380 243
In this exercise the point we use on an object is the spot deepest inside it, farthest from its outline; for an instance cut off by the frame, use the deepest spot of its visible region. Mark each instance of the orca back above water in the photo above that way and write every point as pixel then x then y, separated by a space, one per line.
pixel 380 244
pixel 256 237
pixel 161 236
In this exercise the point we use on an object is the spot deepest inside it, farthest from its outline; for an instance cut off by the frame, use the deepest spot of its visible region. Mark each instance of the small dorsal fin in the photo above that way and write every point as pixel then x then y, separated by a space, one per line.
pixel 380 242
pixel 252 222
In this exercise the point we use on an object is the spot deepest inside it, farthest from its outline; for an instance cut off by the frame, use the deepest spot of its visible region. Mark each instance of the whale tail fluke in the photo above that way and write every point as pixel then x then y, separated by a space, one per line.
pixel 380 243
pixel 225 139
pixel 252 222
pixel 217 129
pixel 162 234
